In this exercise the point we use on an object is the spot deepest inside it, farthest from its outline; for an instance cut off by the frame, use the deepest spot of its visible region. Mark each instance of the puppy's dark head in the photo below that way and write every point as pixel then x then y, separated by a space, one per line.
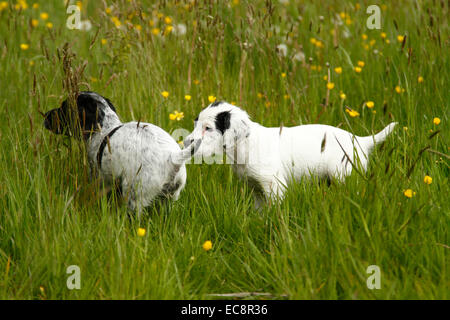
pixel 83 119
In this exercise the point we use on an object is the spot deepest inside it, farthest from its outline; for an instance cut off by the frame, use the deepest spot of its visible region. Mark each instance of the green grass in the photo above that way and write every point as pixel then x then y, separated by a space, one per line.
pixel 318 242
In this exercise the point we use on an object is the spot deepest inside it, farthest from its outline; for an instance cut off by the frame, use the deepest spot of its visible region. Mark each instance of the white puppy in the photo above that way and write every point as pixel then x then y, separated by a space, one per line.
pixel 144 159
pixel 271 158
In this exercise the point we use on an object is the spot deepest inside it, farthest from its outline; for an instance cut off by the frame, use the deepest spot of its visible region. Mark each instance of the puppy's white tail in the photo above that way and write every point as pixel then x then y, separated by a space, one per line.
pixel 371 141
pixel 180 157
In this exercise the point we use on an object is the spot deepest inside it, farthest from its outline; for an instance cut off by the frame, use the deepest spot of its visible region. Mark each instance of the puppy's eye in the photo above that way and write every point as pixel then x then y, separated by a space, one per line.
pixel 208 128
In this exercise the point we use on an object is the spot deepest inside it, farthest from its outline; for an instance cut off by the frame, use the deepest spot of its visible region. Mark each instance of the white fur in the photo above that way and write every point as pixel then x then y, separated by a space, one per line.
pixel 271 158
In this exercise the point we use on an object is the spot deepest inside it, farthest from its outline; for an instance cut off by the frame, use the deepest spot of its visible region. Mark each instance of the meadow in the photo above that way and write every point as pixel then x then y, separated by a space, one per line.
pixel 286 62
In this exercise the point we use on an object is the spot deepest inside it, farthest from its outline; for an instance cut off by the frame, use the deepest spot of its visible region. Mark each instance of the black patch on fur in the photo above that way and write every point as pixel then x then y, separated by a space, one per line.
pixel 170 188
pixel 89 113
pixel 216 103
pixel 103 145
pixel 223 121
pixel 324 141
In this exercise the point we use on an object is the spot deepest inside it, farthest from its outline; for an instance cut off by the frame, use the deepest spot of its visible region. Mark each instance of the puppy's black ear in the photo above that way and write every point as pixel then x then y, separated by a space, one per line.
pixel 90 115
pixel 223 121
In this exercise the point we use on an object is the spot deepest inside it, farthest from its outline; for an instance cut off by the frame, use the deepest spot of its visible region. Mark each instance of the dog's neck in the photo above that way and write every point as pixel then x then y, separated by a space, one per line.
pixel 110 121
pixel 238 154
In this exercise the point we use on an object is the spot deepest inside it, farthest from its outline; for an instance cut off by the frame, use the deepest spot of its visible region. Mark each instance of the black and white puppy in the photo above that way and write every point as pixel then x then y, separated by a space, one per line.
pixel 143 158
pixel 271 158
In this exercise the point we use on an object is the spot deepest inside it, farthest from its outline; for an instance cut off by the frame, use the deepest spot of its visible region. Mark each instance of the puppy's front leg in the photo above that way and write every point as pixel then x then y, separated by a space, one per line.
pixel 273 191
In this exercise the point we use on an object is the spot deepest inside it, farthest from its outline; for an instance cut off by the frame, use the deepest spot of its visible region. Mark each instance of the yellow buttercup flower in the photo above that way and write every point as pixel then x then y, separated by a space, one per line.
pixel 21 4
pixel 409 193
pixel 352 113
pixel 399 89
pixel 156 31
pixel 427 180
pixel 176 115
pixel 338 70
pixel 330 85
pixel 342 95
pixel 167 20
pixel 168 30
pixel 436 121
pixel 383 35
pixel 207 245
pixel 24 46
pixel 108 10
pixel 283 74
pixel 138 27
pixel 358 69
pixel 141 232
pixel 361 63
pixel 420 79
pixel 400 38
pixel 116 21
pixel 370 104
pixel 313 40
pixel 34 22
pixel 44 15
pixel 3 5
pixel 187 97
pixel 364 36
pixel 49 25
pixel 325 77
pixel 165 94
pixel 319 44
pixel 104 41
pixel 196 81
pixel 211 99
